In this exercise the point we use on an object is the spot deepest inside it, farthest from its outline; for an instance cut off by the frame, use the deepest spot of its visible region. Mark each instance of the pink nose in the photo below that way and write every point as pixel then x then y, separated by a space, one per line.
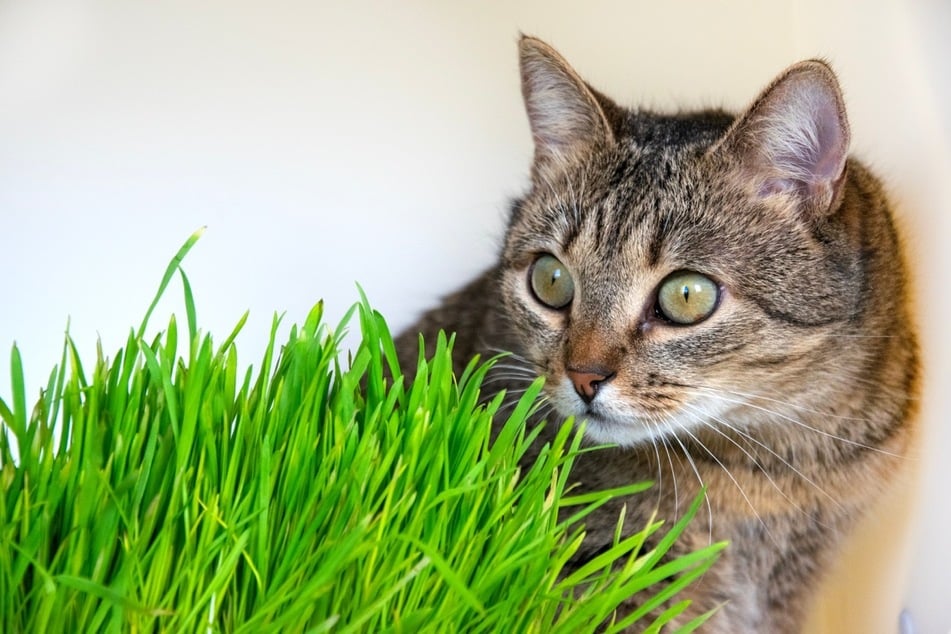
pixel 588 381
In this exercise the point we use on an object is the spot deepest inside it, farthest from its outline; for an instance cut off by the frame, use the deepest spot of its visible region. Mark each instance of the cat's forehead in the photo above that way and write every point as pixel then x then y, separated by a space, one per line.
pixel 635 202
pixel 652 202
pixel 670 131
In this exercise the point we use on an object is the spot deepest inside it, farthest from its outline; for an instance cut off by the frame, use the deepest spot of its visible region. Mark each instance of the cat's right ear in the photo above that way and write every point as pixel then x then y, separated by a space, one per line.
pixel 565 116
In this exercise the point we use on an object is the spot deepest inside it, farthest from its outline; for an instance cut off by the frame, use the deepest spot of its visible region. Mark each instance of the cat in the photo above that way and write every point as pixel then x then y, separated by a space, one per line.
pixel 723 299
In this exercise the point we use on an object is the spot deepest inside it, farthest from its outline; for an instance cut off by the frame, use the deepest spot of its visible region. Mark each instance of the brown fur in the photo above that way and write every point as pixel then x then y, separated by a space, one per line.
pixel 790 403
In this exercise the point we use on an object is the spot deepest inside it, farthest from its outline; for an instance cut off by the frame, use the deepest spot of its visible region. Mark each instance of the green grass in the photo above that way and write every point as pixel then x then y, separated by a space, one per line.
pixel 160 492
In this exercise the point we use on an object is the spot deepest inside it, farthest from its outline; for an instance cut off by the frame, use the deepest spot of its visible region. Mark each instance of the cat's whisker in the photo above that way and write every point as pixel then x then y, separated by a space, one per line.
pixel 514 396
pixel 785 403
pixel 761 467
pixel 845 375
pixel 730 475
pixel 518 378
pixel 776 455
pixel 499 367
pixel 673 472
pixel 673 476
pixel 514 368
pixel 696 471
pixel 511 362
pixel 660 472
pixel 503 355
pixel 799 423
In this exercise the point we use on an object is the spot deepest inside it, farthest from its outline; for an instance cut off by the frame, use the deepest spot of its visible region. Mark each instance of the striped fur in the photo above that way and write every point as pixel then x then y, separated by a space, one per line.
pixel 792 403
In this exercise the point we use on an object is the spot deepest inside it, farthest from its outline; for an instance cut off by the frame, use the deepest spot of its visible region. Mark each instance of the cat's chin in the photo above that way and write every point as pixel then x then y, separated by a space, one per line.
pixel 627 432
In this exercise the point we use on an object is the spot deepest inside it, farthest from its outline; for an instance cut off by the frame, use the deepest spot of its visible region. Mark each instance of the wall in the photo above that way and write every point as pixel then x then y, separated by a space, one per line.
pixel 328 143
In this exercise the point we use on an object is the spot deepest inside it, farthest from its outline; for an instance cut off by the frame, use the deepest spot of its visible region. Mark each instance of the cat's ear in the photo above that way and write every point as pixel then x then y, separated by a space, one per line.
pixel 565 116
pixel 794 139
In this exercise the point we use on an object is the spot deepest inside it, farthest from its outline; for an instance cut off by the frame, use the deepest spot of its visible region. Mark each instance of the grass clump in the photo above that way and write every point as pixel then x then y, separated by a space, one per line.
pixel 174 493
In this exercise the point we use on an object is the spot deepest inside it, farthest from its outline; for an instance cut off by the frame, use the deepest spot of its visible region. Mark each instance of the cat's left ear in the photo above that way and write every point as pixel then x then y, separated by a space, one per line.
pixel 794 139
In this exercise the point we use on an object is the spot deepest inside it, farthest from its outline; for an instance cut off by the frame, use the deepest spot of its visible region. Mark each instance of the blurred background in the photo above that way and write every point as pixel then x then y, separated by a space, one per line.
pixel 325 144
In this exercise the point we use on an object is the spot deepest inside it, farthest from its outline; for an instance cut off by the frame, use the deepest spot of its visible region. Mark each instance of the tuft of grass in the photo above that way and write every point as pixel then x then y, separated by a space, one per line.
pixel 161 492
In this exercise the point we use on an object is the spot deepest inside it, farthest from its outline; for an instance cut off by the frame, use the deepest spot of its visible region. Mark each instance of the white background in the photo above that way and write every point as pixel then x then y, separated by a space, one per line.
pixel 324 144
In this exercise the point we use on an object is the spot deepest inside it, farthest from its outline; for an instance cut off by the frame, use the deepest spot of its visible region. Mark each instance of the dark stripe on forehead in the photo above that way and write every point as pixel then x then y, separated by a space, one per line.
pixel 618 218
pixel 624 171
pixel 661 226
pixel 620 175
pixel 616 226
pixel 572 223
pixel 613 217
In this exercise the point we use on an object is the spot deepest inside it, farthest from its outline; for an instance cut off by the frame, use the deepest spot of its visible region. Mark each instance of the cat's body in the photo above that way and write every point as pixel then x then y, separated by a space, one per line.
pixel 723 298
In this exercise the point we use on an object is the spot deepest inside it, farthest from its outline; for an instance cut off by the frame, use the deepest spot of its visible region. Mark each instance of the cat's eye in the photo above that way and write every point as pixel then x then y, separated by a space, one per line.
pixel 687 298
pixel 551 282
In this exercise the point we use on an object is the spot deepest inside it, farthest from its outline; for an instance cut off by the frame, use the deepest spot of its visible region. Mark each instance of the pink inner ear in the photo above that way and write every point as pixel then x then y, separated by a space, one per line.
pixel 800 137
pixel 831 141
pixel 563 114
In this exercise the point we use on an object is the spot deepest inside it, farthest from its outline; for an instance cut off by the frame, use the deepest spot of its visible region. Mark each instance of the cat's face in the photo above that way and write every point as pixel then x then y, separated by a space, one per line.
pixel 659 277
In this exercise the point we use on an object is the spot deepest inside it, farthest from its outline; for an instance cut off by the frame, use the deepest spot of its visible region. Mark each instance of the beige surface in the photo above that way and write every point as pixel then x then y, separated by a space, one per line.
pixel 860 594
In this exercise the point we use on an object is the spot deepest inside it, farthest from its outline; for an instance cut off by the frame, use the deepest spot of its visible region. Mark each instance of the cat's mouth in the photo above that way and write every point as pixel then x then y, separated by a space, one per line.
pixel 611 418
pixel 607 418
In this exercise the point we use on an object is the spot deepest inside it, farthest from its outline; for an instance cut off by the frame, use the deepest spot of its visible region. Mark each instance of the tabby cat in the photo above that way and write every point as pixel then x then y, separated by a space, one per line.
pixel 721 297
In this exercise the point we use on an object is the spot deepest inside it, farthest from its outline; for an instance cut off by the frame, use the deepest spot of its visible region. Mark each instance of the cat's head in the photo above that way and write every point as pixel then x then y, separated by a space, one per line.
pixel 664 269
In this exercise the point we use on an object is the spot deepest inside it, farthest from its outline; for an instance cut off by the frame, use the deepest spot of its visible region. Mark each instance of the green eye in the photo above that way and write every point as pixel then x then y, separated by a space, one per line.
pixel 687 298
pixel 551 283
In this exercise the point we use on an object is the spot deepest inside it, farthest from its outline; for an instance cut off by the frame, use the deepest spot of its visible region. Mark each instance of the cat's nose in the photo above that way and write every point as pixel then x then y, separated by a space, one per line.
pixel 588 381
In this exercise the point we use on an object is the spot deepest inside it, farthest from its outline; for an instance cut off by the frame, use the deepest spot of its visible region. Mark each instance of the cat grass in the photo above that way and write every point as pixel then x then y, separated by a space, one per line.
pixel 319 492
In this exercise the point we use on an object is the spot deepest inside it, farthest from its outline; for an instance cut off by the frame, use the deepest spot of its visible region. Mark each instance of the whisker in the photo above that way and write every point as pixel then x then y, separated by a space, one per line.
pixel 660 473
pixel 785 462
pixel 803 425
pixel 796 406
pixel 508 376
pixel 673 477
pixel 729 475
pixel 696 472
pixel 762 468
